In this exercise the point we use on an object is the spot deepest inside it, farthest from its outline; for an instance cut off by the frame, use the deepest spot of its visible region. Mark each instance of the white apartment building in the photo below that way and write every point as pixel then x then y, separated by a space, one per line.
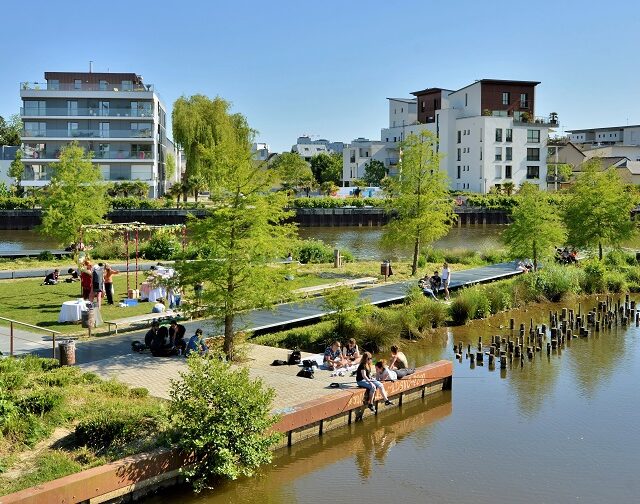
pixel 488 132
pixel 308 148
pixel 260 151
pixel 117 117
pixel 615 141
pixel 358 153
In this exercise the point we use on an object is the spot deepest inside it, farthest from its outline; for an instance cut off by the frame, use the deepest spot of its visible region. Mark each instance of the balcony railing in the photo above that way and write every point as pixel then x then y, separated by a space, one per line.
pixel 84 133
pixel 86 86
pixel 116 154
pixel 85 111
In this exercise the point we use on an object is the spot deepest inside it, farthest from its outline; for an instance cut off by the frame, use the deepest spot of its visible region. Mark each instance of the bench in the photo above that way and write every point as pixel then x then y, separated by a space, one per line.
pixel 318 289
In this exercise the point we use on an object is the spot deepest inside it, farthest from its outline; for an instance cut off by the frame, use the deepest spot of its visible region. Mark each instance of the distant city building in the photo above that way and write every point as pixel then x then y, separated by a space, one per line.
pixel 308 148
pixel 7 154
pixel 615 141
pixel 261 151
pixel 116 116
pixel 488 132
pixel 358 153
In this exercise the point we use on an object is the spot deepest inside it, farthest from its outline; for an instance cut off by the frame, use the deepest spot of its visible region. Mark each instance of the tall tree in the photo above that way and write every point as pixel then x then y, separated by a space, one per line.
pixel 598 209
pixel 374 172
pixel 170 166
pixel 76 196
pixel 10 130
pixel 242 233
pixel 536 226
pixel 293 172
pixel 327 167
pixel 422 208
pixel 16 171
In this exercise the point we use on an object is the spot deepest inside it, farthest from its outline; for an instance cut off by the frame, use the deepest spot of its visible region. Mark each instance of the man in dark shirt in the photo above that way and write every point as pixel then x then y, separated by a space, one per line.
pixel 52 278
pixel 176 336
pixel 151 333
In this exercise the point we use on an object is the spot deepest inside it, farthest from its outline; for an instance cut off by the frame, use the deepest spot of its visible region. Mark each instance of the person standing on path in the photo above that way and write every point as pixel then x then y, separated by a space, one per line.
pixel 108 282
pixel 446 279
pixel 98 284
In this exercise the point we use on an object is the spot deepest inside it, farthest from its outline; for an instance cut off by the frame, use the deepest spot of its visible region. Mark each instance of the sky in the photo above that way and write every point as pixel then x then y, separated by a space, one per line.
pixel 325 68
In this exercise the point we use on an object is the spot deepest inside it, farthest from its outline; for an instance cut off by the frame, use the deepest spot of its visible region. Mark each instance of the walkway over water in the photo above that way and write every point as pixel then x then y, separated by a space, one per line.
pixel 281 316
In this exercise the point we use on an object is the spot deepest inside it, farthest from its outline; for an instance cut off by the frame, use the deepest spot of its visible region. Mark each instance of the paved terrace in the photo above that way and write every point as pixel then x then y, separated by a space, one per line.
pixel 280 316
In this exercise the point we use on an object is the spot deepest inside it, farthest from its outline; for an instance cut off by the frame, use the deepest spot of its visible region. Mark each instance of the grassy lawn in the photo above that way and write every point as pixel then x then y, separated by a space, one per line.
pixel 26 300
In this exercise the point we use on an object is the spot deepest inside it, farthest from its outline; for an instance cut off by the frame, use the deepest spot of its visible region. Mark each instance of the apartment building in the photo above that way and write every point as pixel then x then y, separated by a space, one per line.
pixel 358 153
pixel 116 116
pixel 614 141
pixel 488 132
pixel 307 148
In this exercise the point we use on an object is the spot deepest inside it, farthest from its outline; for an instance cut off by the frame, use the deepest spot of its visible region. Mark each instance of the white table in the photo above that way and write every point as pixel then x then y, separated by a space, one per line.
pixel 71 311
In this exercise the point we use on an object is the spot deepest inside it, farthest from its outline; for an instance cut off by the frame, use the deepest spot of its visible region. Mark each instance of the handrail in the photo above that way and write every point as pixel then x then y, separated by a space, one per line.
pixel 11 322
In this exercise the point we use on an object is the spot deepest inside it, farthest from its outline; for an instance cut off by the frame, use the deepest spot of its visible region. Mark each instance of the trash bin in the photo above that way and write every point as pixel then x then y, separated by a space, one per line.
pixel 67 353
pixel 385 268
pixel 89 317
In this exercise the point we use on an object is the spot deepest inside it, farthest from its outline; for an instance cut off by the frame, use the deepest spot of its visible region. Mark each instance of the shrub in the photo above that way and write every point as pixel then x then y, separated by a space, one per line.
pixel 161 246
pixel 113 388
pixel 40 401
pixel 138 392
pixel 552 283
pixel 109 428
pixel 379 330
pixel 619 258
pixel 45 255
pixel 16 203
pixel 470 303
pixel 345 306
pixel 61 377
pixel 314 251
pixel 110 249
pixel 616 281
pixel 223 418
pixel 500 296
pixel 593 280
pixel 461 310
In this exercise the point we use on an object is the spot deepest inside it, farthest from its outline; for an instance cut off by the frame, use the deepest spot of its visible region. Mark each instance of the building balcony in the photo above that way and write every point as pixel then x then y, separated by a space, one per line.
pixel 86 112
pixel 118 155
pixel 86 86
pixel 80 134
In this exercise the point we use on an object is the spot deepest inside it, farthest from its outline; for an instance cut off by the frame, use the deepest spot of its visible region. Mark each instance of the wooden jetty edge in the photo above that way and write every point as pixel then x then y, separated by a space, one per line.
pixel 135 476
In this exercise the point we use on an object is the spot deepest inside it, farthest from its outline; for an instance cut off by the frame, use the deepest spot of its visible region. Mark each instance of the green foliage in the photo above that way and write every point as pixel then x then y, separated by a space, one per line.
pixel 40 401
pixel 618 258
pixel 536 227
pixel 316 251
pixel 344 307
pixel 49 466
pixel 45 255
pixel 327 167
pixel 293 172
pixel 16 203
pixel 500 296
pixel 76 196
pixel 170 166
pixel 10 130
pixel 374 172
pixel 313 338
pixel 553 283
pixel 326 202
pixel 16 171
pixel 135 189
pixel 461 310
pixel 470 303
pixel 594 277
pixel 598 209
pixel 380 329
pixel 420 315
pixel 422 208
pixel 223 418
pixel 616 282
pixel 161 246
pixel 329 187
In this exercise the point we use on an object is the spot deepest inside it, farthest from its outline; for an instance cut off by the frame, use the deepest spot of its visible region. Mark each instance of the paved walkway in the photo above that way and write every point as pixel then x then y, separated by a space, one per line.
pixel 309 310
pixel 156 373
pixel 41 272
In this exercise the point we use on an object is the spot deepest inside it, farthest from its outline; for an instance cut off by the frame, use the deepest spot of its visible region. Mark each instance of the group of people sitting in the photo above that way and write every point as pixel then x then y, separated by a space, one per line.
pixel 525 266
pixel 566 256
pixel 54 277
pixel 165 341
pixel 431 285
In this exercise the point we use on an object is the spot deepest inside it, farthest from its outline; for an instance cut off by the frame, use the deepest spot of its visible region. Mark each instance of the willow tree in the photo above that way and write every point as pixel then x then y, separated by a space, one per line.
pixel 76 195
pixel 242 234
pixel 293 172
pixel 536 227
pixel 598 209
pixel 421 206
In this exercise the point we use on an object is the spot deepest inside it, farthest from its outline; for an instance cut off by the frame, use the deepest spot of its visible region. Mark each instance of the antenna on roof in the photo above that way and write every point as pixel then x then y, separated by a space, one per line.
pixel 90 66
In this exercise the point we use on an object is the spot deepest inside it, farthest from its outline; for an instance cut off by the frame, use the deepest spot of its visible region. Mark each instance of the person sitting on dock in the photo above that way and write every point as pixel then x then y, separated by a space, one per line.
pixel 364 380
pixel 333 356
pixel 52 278
pixel 197 344
pixel 383 373
pixel 351 354
pixel 398 359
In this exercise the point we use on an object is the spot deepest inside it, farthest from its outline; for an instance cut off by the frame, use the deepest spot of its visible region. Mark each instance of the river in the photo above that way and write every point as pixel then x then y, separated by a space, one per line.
pixel 560 429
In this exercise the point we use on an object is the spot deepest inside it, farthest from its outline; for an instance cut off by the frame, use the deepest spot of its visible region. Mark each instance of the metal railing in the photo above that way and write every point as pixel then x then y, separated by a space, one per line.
pixel 113 154
pixel 87 133
pixel 46 331
pixel 128 87
pixel 85 111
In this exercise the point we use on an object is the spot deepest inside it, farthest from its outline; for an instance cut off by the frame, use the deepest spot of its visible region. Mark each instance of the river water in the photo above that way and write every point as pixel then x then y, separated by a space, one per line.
pixel 560 429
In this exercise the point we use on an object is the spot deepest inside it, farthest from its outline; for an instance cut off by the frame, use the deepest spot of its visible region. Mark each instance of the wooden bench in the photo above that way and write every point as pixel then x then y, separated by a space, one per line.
pixel 319 289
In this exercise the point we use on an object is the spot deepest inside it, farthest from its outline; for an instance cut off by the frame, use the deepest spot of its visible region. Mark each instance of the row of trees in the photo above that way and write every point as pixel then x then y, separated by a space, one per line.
pixel 595 214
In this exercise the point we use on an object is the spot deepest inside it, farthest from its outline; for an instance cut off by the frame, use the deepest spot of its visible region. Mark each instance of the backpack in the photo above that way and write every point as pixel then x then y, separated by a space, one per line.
pixel 294 358
pixel 137 346
pixel 279 362
pixel 309 363
pixel 305 373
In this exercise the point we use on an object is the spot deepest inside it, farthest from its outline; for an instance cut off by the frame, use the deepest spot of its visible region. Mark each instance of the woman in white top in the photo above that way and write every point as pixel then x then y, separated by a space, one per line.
pixel 446 278
pixel 383 373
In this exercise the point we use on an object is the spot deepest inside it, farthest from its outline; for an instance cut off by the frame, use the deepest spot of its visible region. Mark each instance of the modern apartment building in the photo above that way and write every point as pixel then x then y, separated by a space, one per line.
pixel 615 141
pixel 488 132
pixel 308 148
pixel 116 116
pixel 358 153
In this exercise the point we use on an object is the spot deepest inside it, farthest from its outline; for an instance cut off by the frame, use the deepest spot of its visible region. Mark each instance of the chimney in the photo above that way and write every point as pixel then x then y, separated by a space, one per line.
pixel 90 66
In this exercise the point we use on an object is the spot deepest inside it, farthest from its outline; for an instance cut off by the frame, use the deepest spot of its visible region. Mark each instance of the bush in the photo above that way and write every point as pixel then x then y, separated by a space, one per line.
pixel 61 377
pixel 619 258
pixel 593 280
pixel 314 251
pixel 552 283
pixel 40 401
pixel 379 330
pixel 16 203
pixel 500 296
pixel 327 202
pixel 111 249
pixel 461 310
pixel 470 303
pixel 45 255
pixel 223 418
pixel 131 203
pixel 616 281
pixel 161 246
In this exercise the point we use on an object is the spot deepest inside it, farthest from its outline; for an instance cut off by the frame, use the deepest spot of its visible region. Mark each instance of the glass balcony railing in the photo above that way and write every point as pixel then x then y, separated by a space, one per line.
pixel 87 86
pixel 85 111
pixel 85 133
pixel 114 154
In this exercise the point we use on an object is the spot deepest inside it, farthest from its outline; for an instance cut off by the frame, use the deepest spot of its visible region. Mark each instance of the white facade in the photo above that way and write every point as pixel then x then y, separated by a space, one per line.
pixel 358 153
pixel 598 137
pixel 307 148
pixel 260 151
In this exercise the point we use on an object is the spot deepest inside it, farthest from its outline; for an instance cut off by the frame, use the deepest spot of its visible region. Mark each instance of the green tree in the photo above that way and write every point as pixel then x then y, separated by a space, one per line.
pixel 16 171
pixel 10 130
pixel 242 233
pixel 345 310
pixel 170 166
pixel 374 172
pixel 422 207
pixel 223 418
pixel 598 209
pixel 293 172
pixel 328 188
pixel 509 188
pixel 536 226
pixel 76 196
pixel 196 184
pixel 327 167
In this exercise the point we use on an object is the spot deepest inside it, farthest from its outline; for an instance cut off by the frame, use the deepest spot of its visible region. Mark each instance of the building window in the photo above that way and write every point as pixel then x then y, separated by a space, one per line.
pixel 459 154
pixel 507 171
pixel 508 153
pixel 103 85
pixel 103 151
pixel 458 171
pixel 480 154
pixel 53 84
pixel 127 85
pixel 524 100
pixel 533 172
pixel 508 135
pixel 533 136
pixel 498 172
pixel 72 108
pixel 104 130
pixel 498 134
pixel 72 129
pixel 35 108
pixel 422 106
pixel 35 129
pixel 506 98
pixel 466 100
pixel 77 84
pixel 498 153
pixel 533 154
pixel 103 108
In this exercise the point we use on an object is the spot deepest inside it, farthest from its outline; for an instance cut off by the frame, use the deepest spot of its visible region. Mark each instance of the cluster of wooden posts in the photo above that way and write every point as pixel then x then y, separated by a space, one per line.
pixel 563 326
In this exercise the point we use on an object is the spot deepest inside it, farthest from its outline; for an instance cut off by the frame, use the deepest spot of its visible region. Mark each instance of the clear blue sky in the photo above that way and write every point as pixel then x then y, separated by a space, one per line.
pixel 325 68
